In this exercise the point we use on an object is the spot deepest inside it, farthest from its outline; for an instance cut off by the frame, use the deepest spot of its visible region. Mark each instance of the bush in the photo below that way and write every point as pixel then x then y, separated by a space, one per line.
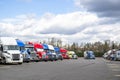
pixel 79 54
pixel 98 54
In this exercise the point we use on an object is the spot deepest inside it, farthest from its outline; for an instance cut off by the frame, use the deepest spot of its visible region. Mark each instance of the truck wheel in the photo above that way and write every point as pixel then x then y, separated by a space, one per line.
pixel 55 59
pixel 28 61
pixel 36 60
pixel 19 63
pixel 45 60
pixel 3 60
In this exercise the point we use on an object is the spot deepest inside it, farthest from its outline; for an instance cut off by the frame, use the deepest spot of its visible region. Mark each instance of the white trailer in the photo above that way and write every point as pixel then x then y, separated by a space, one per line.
pixel 9 51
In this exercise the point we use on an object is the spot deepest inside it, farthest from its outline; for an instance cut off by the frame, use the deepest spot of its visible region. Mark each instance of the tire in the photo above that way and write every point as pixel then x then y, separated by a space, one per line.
pixel 52 60
pixel 3 61
pixel 36 60
pixel 27 61
pixel 20 63
pixel 55 59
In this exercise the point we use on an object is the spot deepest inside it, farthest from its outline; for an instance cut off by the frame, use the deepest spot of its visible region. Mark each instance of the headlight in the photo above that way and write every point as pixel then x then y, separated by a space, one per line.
pixel 8 56
pixel 21 55
pixel 8 53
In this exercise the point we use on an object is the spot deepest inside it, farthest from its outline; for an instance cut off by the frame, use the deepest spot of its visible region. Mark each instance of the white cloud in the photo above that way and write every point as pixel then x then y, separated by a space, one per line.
pixel 70 27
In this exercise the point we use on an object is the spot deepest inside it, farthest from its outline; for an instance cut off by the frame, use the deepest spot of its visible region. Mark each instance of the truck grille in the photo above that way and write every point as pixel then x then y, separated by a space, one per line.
pixel 50 56
pixel 43 56
pixel 15 56
pixel 54 56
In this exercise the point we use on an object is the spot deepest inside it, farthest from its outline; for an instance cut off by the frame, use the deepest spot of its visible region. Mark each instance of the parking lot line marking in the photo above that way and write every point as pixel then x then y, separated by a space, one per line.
pixel 111 64
pixel 5 67
pixel 117 75
pixel 115 66
pixel 116 70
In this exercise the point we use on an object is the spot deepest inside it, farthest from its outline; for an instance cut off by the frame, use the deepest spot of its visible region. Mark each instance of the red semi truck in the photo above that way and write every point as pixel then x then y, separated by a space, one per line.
pixel 64 53
pixel 40 51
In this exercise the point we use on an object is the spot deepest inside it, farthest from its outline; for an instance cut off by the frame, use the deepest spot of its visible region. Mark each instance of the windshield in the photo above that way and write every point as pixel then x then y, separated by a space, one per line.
pixel 22 48
pixel 38 49
pixel 52 51
pixel 30 48
pixel 58 53
pixel 118 52
pixel 46 51
pixel 11 47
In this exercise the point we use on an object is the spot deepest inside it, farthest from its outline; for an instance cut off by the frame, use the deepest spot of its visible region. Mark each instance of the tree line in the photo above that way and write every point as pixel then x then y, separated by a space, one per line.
pixel 99 48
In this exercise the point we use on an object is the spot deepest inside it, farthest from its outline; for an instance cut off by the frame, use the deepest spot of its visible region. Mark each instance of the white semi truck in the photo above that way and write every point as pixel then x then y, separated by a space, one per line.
pixel 52 50
pixel 9 51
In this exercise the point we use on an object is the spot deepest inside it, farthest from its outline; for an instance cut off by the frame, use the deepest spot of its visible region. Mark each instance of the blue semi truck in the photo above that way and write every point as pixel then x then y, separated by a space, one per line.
pixel 49 49
pixel 89 55
pixel 58 53
pixel 25 54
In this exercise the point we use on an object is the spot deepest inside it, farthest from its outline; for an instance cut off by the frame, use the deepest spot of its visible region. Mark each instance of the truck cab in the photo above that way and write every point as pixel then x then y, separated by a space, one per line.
pixel 40 51
pixel 89 55
pixel 50 52
pixel 57 51
pixel 33 55
pixel 64 53
pixel 117 55
pixel 26 55
pixel 72 55
pixel 10 51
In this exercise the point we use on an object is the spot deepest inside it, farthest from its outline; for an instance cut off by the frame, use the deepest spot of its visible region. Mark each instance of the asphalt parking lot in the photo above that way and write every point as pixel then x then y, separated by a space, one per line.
pixel 80 69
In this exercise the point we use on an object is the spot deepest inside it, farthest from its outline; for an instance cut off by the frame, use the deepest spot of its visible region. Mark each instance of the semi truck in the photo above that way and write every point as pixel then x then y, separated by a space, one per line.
pixel 24 52
pixel 113 54
pixel 40 51
pixel 57 51
pixel 52 50
pixel 72 55
pixel 9 51
pixel 48 53
pixel 89 55
pixel 33 55
pixel 117 55
pixel 64 53
pixel 49 49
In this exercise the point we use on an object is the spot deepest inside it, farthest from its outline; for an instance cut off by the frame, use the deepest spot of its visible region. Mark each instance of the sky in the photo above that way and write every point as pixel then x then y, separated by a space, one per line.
pixel 69 20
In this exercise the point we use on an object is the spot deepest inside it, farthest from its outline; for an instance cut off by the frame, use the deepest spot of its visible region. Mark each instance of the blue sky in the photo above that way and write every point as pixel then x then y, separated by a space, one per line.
pixel 12 8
